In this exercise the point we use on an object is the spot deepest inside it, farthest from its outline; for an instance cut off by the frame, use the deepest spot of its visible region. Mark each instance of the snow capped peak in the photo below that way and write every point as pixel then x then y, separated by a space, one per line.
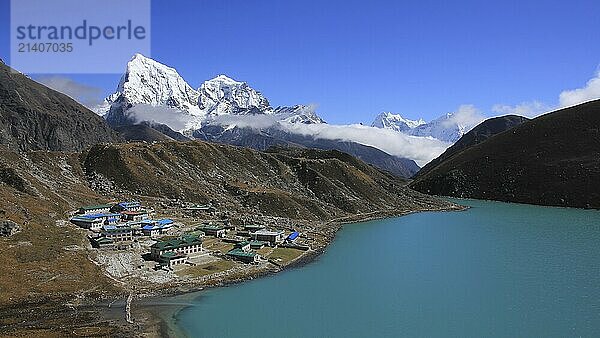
pixel 150 90
pixel 222 78
pixel 445 128
pixel 448 127
pixel 395 122
pixel 148 82
pixel 224 95
pixel 298 114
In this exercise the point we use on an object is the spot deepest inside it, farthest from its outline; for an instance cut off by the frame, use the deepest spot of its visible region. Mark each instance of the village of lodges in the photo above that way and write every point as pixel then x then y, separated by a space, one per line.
pixel 125 225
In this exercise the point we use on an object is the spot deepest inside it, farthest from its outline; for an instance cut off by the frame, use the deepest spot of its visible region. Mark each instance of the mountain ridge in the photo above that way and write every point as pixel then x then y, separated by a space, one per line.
pixel 536 162
pixel 35 117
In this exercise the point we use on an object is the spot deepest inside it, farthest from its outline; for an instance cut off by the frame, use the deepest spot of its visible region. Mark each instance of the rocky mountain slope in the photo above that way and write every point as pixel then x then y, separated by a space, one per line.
pixel 295 183
pixel 35 117
pixel 480 133
pixel 551 160
pixel 149 132
pixel 270 137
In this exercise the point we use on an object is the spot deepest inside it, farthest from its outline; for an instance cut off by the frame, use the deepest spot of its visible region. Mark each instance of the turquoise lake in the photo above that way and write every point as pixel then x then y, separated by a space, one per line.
pixel 495 270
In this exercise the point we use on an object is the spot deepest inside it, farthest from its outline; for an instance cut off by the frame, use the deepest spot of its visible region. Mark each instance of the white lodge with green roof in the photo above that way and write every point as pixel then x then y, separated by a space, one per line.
pixel 185 245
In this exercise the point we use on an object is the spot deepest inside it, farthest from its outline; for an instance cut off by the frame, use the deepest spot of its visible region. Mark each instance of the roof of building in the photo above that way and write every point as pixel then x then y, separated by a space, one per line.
pixel 112 228
pixel 241 253
pixel 135 213
pixel 293 235
pixel 267 232
pixel 177 242
pixel 258 243
pixel 85 219
pixel 129 204
pixel 93 216
pixel 211 227
pixel 150 227
pixel 94 207
pixel 242 244
pixel 164 221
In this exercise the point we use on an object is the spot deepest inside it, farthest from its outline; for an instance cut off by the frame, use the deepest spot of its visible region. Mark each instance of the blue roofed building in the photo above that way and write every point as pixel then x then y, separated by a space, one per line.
pixel 292 237
pixel 95 221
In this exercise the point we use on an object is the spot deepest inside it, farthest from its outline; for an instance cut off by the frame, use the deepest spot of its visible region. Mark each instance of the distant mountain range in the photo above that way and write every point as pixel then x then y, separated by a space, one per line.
pixel 221 110
pixel 445 128
pixel 552 160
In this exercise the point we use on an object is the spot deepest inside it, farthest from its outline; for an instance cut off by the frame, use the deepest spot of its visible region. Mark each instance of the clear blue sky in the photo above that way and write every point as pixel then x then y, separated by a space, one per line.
pixel 358 58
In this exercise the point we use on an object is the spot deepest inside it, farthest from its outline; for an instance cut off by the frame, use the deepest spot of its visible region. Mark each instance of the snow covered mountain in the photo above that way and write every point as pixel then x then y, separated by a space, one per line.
pixel 395 122
pixel 151 83
pixel 444 128
pixel 447 128
pixel 298 114
pixel 224 95
pixel 150 90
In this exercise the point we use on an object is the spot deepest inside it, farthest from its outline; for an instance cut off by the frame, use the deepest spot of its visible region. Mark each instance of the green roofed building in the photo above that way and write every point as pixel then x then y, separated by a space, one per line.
pixel 187 244
pixel 256 245
pixel 101 242
pixel 212 230
pixel 171 259
pixel 244 246
pixel 244 256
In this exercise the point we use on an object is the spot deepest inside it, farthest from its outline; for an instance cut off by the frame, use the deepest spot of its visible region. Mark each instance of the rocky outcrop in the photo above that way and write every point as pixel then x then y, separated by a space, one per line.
pixel 8 228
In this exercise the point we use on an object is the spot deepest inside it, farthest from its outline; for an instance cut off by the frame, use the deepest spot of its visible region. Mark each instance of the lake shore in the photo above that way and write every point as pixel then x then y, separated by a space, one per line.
pixel 158 313
pixel 153 310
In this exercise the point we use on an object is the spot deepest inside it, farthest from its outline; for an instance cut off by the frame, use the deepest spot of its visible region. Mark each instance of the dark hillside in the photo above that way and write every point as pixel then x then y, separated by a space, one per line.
pixel 35 117
pixel 551 160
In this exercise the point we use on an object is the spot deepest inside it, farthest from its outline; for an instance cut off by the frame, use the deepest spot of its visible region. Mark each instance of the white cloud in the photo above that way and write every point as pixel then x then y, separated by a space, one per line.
pixel 258 121
pixel 87 95
pixel 466 115
pixel 527 109
pixel 174 118
pixel 591 91
pixel 420 149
